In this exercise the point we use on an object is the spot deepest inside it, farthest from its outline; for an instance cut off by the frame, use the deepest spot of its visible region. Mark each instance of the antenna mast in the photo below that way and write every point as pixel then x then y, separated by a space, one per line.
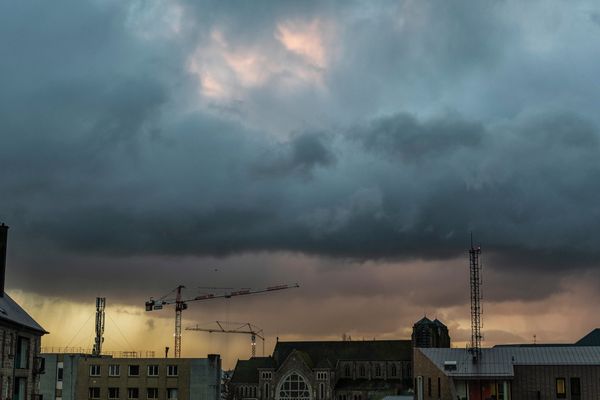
pixel 100 306
pixel 475 280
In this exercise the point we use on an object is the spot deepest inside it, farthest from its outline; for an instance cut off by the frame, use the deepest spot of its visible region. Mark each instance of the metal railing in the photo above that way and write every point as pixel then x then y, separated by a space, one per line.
pixel 88 351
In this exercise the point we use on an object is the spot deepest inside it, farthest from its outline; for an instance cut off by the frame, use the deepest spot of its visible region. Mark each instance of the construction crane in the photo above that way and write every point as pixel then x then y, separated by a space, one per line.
pixel 181 304
pixel 252 330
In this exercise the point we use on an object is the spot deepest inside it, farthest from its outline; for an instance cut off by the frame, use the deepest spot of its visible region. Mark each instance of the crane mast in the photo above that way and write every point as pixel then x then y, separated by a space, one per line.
pixel 181 304
pixel 252 330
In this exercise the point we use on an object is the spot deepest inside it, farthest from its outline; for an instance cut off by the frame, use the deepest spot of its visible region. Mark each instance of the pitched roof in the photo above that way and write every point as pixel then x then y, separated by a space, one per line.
pixel 322 352
pixel 246 371
pixel 591 339
pixel 12 312
pixel 499 361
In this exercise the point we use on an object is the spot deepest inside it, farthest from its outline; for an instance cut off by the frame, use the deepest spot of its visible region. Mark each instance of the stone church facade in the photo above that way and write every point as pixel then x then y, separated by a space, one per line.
pixel 326 370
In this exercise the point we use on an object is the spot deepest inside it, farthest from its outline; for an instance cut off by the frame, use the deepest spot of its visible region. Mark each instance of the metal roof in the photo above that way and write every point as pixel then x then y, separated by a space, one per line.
pixel 12 312
pixel 499 361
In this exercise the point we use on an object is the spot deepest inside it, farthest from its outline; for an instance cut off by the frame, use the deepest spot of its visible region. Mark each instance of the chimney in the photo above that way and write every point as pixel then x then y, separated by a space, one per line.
pixel 3 238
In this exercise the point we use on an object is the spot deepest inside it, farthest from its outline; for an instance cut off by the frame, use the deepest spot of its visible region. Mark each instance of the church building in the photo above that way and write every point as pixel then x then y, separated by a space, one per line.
pixel 326 370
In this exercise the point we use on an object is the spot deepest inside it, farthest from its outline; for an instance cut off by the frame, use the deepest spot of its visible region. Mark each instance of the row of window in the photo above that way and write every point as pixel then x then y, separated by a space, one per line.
pixel 132 370
pixel 377 371
pixel 247 392
pixel 132 393
pixel 266 375
pixel 561 388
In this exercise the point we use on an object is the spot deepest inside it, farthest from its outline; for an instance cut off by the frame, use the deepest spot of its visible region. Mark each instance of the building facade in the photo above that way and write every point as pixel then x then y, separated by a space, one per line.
pixel 20 341
pixel 506 372
pixel 79 376
pixel 331 370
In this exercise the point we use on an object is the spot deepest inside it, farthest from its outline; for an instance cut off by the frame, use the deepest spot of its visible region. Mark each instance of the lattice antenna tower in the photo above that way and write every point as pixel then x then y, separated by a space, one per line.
pixel 475 281
pixel 100 306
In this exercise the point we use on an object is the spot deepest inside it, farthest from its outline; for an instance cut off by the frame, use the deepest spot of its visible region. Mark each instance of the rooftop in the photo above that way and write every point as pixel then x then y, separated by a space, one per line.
pixel 499 361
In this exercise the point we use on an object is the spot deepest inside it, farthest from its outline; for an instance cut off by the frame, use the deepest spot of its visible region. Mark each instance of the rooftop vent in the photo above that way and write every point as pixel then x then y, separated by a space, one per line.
pixel 450 365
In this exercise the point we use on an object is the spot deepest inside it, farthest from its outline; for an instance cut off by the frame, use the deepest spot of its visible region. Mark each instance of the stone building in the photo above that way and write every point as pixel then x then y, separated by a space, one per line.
pixel 20 336
pixel 508 372
pixel 428 333
pixel 80 376
pixel 326 370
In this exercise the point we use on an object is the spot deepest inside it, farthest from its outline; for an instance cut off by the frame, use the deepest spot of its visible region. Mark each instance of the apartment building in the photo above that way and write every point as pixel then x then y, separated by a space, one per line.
pixel 81 376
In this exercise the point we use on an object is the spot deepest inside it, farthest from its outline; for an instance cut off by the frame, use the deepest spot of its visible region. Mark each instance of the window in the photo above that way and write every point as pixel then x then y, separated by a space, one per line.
pixel 561 388
pixel 171 393
pixel 394 371
pixel 266 393
pixel 575 389
pixel 378 370
pixel 59 371
pixel 347 371
pixel 134 370
pixel 171 370
pixel 294 387
pixel 113 393
pixel 321 390
pixel 322 376
pixel 114 370
pixel 20 389
pixel 266 374
pixel 152 370
pixel 94 370
pixel 22 359
pixel 440 389
pixel 152 393
pixel 94 393
pixel 362 371
pixel 133 393
pixel 429 387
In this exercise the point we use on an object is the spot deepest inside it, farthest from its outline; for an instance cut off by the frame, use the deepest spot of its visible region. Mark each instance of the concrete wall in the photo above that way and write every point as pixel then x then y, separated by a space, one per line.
pixel 205 379
pixel 51 387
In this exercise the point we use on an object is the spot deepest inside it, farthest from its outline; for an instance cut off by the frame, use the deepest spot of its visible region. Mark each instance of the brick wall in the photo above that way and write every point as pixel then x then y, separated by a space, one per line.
pixel 425 368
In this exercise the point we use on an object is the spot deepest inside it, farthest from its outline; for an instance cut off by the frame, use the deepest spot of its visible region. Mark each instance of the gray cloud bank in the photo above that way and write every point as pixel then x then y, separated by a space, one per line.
pixel 424 134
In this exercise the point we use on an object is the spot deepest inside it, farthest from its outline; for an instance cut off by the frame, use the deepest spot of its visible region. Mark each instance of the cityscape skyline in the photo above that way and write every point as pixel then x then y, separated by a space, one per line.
pixel 351 147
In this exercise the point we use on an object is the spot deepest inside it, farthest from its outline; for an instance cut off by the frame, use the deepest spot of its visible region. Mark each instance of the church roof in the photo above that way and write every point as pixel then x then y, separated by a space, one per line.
pixel 321 353
pixel 246 371
pixel 12 312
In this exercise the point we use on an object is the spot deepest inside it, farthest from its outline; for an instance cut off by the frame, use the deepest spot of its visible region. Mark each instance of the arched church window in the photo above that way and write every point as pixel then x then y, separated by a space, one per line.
pixel 294 387
pixel 394 370
pixel 347 371
pixel 362 371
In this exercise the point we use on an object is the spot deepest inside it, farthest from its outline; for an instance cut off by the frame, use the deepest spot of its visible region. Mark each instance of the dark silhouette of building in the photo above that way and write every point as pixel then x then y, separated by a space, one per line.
pixel 428 333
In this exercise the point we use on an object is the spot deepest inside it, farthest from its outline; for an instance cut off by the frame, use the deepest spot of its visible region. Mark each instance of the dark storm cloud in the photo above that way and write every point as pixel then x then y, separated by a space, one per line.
pixel 303 153
pixel 417 130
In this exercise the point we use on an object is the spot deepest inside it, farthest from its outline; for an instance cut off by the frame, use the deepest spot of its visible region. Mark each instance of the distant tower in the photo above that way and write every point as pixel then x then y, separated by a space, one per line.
pixel 100 305
pixel 475 280
pixel 428 333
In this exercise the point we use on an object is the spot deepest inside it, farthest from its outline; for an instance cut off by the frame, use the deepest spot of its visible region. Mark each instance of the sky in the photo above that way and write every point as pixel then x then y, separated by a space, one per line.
pixel 351 147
